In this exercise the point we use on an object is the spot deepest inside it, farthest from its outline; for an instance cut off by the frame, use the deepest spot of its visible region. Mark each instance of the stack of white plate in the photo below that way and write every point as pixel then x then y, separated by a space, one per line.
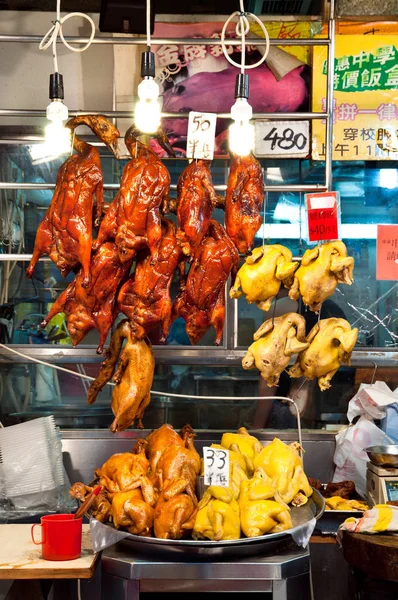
pixel 31 466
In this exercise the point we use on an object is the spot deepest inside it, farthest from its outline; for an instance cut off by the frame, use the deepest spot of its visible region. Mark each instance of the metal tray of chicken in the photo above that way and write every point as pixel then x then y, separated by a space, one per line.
pixel 332 519
pixel 220 550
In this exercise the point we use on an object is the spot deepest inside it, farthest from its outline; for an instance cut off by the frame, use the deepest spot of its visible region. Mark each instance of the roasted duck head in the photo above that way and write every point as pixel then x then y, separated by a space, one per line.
pixel 283 337
pixel 283 465
pixel 243 201
pixel 218 515
pixel 260 278
pixel 201 301
pixel 175 511
pixel 195 200
pixel 92 307
pixel 133 218
pixel 145 297
pixel 133 378
pixel 259 512
pixel 331 342
pixel 65 233
pixel 132 512
pixel 321 269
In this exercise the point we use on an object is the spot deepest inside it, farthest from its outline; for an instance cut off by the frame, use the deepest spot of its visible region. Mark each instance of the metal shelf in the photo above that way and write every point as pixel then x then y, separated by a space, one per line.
pixel 115 186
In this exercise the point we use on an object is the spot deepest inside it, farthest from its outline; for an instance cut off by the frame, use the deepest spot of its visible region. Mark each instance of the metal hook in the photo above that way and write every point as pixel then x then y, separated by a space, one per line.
pixel 374 373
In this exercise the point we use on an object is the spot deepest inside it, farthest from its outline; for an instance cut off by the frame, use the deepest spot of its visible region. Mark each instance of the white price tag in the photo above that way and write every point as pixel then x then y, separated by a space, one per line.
pixel 282 138
pixel 216 466
pixel 201 134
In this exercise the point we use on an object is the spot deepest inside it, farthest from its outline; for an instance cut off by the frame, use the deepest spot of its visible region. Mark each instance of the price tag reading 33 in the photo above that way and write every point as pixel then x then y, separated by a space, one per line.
pixel 201 134
pixel 216 466
pixel 323 216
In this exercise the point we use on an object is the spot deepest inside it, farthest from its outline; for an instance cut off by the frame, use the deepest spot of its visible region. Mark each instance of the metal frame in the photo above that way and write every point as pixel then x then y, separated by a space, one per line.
pixel 229 354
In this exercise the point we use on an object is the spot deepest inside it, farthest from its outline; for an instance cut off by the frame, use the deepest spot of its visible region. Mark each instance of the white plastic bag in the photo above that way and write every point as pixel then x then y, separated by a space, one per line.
pixel 350 457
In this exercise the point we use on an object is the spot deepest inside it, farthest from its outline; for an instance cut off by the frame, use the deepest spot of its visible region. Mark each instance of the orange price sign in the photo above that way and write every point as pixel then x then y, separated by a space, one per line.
pixel 387 252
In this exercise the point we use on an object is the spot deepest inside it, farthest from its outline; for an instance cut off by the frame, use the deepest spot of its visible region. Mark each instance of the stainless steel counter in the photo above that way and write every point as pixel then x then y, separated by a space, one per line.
pixel 285 574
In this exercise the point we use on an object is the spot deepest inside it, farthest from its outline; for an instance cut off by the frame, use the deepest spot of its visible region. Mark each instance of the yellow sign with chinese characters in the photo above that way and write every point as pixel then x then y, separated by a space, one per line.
pixel 365 108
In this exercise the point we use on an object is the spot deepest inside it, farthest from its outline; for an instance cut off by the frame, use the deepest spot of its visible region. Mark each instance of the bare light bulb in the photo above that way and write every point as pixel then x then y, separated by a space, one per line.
pixel 57 137
pixel 241 132
pixel 147 109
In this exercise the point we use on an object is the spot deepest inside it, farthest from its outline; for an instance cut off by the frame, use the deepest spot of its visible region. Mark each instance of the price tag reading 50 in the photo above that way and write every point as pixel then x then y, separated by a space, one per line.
pixel 216 466
pixel 201 133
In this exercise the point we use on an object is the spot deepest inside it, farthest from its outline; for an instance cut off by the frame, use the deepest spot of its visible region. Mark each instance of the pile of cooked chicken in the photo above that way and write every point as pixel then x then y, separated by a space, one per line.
pixel 151 491
pixel 125 256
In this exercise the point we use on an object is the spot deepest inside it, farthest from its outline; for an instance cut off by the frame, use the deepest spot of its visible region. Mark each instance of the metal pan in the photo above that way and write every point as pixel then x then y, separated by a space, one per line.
pixel 243 547
pixel 383 456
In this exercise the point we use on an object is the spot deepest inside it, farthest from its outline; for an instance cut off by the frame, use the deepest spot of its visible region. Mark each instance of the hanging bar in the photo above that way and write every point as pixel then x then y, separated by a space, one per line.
pixel 329 99
pixel 123 114
pixel 123 41
pixel 115 186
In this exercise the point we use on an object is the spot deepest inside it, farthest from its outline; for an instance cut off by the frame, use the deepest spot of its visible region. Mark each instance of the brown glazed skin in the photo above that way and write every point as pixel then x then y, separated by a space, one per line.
pixel 145 297
pixel 134 214
pixel 243 201
pixel 175 511
pixel 160 439
pixel 65 233
pixel 201 302
pixel 92 307
pixel 195 200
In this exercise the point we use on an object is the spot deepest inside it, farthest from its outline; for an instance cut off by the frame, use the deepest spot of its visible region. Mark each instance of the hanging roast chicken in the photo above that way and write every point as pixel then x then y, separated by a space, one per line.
pixel 133 378
pixel 134 214
pixel 65 234
pixel 145 297
pixel 282 337
pixel 92 307
pixel 331 342
pixel 321 269
pixel 201 301
pixel 243 201
pixel 260 277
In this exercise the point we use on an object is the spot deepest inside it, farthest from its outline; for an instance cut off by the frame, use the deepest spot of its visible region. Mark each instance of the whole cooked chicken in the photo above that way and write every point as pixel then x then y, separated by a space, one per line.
pixel 134 215
pixel 283 337
pixel 244 443
pixel 127 471
pixel 133 378
pixel 177 462
pixel 283 465
pixel 259 513
pixel 101 507
pixel 65 233
pixel 175 511
pixel 243 201
pixel 131 511
pixel 201 302
pixel 161 439
pixel 238 467
pixel 145 297
pixel 321 269
pixel 331 342
pixel 92 307
pixel 195 200
pixel 260 277
pixel 218 515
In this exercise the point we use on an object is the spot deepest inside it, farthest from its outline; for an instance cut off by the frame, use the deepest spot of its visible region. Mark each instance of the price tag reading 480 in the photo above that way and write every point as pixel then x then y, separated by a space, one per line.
pixel 216 466
pixel 323 216
pixel 201 134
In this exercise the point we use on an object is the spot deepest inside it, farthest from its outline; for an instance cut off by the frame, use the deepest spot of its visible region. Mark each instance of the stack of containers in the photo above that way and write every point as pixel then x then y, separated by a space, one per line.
pixel 32 475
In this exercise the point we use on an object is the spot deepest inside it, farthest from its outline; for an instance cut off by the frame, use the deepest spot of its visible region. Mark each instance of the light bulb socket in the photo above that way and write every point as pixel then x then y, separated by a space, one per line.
pixel 242 86
pixel 147 64
pixel 56 87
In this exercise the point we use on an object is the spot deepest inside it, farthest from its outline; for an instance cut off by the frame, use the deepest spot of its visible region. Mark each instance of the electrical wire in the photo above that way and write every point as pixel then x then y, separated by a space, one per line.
pixel 148 23
pixel 56 30
pixel 242 29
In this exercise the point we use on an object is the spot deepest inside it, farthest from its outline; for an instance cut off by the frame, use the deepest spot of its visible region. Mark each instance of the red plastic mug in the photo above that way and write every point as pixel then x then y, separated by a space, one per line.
pixel 61 537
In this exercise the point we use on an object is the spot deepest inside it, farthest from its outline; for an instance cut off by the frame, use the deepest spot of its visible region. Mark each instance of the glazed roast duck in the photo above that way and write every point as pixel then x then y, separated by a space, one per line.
pixel 65 233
